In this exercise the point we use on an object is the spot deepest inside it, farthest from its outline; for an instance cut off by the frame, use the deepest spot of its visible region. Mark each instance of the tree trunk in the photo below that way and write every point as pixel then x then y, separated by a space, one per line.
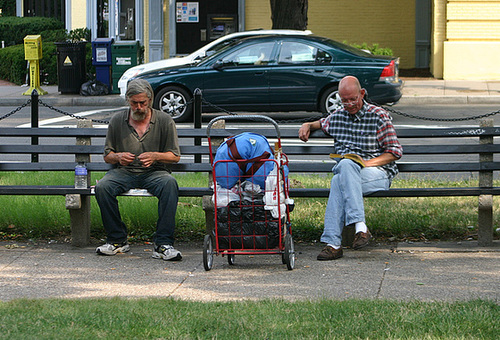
pixel 290 14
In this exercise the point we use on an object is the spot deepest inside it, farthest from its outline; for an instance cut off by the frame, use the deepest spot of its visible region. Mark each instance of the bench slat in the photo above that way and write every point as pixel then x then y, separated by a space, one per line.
pixel 404 192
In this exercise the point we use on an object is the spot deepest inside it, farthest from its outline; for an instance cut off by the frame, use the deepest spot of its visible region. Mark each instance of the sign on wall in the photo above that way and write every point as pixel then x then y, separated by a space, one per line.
pixel 187 12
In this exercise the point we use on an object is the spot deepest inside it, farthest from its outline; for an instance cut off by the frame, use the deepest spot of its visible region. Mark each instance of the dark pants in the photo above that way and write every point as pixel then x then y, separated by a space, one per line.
pixel 159 183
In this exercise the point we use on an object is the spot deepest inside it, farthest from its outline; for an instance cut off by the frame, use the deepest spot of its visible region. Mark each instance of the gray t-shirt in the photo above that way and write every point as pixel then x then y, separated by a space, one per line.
pixel 161 136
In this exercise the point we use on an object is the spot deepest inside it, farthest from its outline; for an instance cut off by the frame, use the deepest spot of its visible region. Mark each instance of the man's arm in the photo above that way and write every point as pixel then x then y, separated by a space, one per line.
pixel 381 160
pixel 306 129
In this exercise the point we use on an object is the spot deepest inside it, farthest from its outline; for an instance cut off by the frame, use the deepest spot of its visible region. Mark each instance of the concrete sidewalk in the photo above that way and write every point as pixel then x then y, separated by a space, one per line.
pixel 453 271
pixel 416 91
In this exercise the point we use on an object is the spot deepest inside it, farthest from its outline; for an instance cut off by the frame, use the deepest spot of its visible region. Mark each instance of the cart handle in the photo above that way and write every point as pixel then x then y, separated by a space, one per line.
pixel 248 117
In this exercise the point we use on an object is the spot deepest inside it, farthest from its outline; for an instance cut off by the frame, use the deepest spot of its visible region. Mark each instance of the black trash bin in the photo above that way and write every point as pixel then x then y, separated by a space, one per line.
pixel 71 66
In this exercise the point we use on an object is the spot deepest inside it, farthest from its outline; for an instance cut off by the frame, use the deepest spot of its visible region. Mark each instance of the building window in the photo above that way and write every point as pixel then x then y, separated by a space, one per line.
pixel 127 20
pixel 102 18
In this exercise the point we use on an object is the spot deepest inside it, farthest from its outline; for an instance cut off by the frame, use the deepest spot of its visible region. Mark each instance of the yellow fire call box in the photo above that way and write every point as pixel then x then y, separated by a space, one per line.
pixel 33 53
pixel 33 47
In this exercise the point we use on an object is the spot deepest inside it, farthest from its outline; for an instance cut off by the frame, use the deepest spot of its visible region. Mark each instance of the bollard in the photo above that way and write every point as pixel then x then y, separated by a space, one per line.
pixel 197 120
pixel 34 122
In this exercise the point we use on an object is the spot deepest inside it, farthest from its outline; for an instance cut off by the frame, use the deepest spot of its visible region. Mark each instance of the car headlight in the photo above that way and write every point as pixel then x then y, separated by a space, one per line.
pixel 130 73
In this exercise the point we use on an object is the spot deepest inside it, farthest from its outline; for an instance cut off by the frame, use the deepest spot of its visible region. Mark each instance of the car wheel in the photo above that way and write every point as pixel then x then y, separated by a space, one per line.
pixel 330 101
pixel 176 102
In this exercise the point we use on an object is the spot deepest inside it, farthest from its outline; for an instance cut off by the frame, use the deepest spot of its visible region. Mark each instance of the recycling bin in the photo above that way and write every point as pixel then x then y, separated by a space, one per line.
pixel 125 55
pixel 70 66
pixel 101 59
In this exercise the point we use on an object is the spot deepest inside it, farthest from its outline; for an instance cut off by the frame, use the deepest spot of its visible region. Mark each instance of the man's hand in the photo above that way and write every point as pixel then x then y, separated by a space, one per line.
pixel 124 158
pixel 148 158
pixel 306 129
pixel 304 132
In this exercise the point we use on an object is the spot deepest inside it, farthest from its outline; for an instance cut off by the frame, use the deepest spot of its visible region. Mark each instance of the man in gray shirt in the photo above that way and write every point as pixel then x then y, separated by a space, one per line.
pixel 140 142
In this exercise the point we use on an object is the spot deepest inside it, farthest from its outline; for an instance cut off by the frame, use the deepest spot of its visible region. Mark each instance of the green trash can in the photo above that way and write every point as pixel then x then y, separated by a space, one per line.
pixel 125 55
pixel 71 69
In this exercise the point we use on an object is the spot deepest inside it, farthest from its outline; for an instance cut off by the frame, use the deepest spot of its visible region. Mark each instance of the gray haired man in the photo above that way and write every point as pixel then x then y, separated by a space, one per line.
pixel 141 142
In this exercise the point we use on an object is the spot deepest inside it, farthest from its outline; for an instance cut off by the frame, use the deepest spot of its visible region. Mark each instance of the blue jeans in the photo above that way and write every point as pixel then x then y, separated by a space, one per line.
pixel 345 205
pixel 159 183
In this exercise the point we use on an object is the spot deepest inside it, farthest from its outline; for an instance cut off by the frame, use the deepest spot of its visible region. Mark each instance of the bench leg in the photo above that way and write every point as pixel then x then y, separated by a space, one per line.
pixel 485 221
pixel 208 207
pixel 80 222
pixel 348 235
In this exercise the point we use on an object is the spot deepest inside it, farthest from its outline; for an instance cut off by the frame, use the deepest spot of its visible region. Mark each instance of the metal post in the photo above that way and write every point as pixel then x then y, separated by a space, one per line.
pixel 34 122
pixel 197 120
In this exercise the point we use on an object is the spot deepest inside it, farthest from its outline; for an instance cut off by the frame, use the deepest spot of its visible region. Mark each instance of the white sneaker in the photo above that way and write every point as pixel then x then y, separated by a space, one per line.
pixel 112 249
pixel 166 252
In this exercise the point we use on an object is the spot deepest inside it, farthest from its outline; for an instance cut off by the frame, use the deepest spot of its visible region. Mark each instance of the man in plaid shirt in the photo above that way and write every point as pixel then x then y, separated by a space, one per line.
pixel 365 130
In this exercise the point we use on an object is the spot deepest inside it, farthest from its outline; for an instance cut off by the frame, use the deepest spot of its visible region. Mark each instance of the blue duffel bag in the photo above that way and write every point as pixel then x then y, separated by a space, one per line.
pixel 251 149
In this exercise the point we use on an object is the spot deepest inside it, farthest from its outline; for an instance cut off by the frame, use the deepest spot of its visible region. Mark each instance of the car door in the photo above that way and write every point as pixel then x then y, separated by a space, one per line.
pixel 302 69
pixel 240 78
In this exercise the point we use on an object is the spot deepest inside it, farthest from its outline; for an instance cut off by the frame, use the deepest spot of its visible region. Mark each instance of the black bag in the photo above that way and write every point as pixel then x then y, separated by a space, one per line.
pixel 94 88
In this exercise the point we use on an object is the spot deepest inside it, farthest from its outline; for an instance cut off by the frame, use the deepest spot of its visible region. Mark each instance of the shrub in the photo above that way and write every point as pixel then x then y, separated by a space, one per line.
pixel 374 49
pixel 8 7
pixel 14 29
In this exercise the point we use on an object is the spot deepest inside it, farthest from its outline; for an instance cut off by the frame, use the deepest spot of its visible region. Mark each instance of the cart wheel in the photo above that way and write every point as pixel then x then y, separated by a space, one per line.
pixel 208 253
pixel 230 259
pixel 289 254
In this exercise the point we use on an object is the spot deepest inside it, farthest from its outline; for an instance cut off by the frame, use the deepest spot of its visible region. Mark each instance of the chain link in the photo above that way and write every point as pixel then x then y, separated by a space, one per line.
pixel 408 115
pixel 16 110
pixel 218 108
pixel 70 114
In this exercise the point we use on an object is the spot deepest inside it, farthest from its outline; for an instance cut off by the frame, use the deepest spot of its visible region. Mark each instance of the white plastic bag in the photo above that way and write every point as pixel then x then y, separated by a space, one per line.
pixel 224 196
pixel 271 198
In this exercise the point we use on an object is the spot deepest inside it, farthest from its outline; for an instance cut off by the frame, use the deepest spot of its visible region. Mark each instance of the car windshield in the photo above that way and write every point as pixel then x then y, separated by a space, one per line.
pixel 216 48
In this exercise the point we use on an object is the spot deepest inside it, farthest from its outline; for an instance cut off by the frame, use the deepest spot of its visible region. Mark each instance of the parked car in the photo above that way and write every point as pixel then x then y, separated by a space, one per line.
pixel 197 55
pixel 274 73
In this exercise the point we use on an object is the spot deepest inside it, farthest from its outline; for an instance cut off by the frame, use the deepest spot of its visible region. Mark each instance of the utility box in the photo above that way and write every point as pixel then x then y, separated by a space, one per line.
pixel 33 47
pixel 102 59
pixel 71 69
pixel 125 55
pixel 33 53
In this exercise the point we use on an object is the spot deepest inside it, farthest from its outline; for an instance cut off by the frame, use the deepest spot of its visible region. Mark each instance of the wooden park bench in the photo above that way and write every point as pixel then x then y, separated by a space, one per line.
pixel 459 150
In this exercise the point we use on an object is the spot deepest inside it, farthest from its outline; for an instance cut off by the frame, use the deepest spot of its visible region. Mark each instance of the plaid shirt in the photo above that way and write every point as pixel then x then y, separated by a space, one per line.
pixel 369 133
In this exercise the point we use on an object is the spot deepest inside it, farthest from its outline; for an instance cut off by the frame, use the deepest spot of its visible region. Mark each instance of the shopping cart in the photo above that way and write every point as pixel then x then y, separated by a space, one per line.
pixel 252 206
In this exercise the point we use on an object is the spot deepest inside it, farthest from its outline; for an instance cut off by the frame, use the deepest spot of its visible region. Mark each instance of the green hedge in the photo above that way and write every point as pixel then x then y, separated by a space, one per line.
pixel 14 29
pixel 8 7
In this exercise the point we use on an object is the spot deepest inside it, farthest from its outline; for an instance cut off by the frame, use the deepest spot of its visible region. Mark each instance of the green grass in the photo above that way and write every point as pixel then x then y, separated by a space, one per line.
pixel 35 217
pixel 267 319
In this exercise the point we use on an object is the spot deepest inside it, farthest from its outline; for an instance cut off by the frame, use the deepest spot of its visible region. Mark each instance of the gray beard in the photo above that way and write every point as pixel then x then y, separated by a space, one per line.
pixel 138 117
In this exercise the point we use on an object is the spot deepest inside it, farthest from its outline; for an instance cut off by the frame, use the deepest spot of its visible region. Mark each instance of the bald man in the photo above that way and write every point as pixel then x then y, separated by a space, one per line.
pixel 367 131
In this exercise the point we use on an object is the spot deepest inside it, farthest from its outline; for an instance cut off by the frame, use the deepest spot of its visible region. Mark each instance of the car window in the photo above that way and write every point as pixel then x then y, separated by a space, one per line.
pixel 300 53
pixel 296 53
pixel 256 54
pixel 212 50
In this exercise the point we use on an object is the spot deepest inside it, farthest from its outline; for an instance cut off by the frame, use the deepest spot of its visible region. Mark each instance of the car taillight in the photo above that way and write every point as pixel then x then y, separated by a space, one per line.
pixel 390 72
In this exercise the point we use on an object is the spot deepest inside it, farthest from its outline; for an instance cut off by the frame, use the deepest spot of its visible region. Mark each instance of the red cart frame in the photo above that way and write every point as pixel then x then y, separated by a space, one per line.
pixel 244 224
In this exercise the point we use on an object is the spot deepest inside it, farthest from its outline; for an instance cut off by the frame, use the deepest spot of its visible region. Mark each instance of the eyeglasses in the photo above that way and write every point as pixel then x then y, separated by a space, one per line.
pixel 351 102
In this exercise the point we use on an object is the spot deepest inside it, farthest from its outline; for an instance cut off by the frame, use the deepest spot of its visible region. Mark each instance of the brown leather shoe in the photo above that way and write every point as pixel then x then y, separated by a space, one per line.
pixel 329 253
pixel 361 239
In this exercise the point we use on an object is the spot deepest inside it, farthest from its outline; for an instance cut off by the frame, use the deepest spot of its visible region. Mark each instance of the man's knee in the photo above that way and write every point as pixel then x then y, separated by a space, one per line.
pixel 169 184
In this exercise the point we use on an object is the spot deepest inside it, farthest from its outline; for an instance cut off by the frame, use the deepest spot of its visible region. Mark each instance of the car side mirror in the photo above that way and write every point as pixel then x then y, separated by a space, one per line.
pixel 219 65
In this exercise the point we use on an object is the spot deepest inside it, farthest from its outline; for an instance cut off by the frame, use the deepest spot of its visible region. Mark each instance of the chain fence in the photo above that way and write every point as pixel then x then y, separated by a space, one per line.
pixel 227 112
